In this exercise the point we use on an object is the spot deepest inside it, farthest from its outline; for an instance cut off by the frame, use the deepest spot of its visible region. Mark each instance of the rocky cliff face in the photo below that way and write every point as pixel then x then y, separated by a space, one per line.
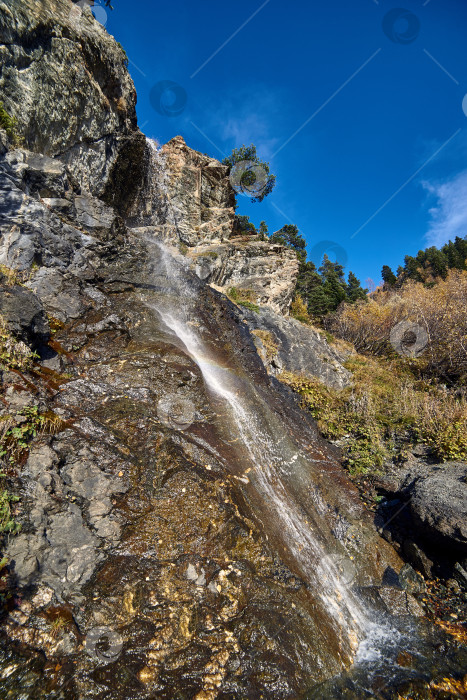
pixel 267 271
pixel 186 198
pixel 65 80
pixel 141 521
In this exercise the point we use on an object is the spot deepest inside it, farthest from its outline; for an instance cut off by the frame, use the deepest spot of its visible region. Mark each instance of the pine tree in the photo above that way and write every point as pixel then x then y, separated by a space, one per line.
pixel 263 231
pixel 434 262
pixel 389 278
pixel 354 289
pixel 249 182
pixel 333 282
pixel 289 236
pixel 243 226
pixel 319 302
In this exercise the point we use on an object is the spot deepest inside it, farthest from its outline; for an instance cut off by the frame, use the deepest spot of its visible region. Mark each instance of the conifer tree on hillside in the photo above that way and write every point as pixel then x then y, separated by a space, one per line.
pixel 388 276
pixel 260 183
pixel 354 289
pixel 243 226
pixel 263 231
pixel 433 262
pixel 333 282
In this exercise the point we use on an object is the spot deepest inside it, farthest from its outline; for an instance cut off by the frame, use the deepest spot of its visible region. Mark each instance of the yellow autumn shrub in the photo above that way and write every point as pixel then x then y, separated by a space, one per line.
pixel 439 310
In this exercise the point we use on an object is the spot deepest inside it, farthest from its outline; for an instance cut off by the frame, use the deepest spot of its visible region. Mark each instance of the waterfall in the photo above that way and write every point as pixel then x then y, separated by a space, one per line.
pixel 270 457
pixel 270 453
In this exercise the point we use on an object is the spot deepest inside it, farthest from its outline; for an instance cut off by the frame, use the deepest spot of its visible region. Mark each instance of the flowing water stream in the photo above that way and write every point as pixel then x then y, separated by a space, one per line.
pixel 269 461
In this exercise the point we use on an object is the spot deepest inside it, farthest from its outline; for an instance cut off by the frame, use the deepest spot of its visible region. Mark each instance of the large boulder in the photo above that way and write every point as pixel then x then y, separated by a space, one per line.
pixel 23 314
pixel 439 505
pixel 268 272
pixel 429 513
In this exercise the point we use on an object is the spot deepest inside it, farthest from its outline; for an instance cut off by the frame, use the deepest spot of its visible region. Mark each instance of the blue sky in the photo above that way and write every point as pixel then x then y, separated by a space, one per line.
pixel 358 107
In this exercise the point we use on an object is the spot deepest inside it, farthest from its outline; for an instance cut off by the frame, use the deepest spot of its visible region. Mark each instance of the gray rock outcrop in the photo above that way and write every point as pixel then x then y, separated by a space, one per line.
pixel 286 344
pixel 427 510
pixel 23 314
pixel 439 505
pixel 268 271
pixel 186 196
pixel 186 199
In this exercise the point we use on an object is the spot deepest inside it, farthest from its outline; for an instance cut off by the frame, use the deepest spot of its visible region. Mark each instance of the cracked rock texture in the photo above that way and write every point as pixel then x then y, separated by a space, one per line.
pixel 186 198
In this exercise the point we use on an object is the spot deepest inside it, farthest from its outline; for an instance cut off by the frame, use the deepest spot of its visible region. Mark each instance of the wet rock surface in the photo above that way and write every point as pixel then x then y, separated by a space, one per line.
pixel 121 511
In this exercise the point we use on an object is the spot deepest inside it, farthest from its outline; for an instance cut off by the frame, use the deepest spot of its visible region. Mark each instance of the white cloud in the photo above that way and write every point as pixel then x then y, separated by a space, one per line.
pixel 449 215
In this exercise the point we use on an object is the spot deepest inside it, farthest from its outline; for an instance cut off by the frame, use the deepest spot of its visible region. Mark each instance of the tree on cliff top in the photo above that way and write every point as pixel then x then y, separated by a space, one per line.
pixel 249 175
pixel 289 236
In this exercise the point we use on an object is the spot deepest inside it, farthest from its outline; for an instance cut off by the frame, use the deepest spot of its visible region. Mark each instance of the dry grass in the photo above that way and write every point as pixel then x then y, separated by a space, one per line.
pixel 11 277
pixel 269 343
pixel 385 411
pixel 14 354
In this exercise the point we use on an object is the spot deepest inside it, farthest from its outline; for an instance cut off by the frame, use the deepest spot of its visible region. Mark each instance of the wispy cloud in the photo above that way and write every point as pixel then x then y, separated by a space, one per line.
pixel 253 114
pixel 449 215
pixel 250 127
